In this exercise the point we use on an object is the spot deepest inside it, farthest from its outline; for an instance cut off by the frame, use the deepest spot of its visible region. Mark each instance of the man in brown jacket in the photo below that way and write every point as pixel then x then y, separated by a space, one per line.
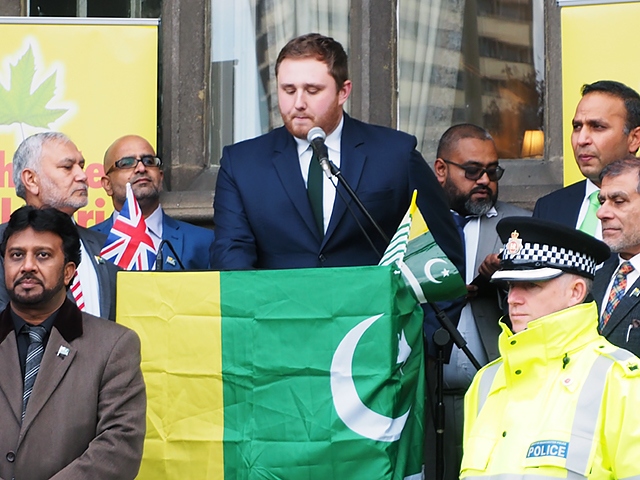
pixel 72 397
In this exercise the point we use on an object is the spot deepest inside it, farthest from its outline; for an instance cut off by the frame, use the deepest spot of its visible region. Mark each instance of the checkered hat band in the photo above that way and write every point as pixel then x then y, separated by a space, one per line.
pixel 552 256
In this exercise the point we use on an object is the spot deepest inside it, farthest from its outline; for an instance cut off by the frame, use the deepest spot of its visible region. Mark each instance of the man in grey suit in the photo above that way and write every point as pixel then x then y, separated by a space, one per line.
pixel 48 170
pixel 72 395
pixel 616 287
pixel 467 168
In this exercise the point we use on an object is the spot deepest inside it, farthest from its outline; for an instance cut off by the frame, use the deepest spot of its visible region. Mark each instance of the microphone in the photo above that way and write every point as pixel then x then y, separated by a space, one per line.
pixel 159 256
pixel 316 138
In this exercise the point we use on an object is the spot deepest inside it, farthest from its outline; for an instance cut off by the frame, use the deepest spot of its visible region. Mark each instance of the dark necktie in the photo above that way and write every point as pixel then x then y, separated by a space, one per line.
pixel 314 191
pixel 32 365
pixel 460 223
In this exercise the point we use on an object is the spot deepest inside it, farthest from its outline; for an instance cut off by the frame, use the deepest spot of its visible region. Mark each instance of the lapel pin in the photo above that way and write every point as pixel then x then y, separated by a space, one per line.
pixel 63 351
pixel 99 259
pixel 171 260
pixel 636 292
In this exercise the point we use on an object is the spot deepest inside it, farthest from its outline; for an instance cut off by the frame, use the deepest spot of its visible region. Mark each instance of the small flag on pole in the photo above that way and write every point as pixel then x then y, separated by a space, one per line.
pixel 129 245
pixel 426 269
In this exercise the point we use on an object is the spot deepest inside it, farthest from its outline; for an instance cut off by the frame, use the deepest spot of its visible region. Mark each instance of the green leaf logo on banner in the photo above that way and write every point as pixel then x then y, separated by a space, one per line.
pixel 350 408
pixel 23 101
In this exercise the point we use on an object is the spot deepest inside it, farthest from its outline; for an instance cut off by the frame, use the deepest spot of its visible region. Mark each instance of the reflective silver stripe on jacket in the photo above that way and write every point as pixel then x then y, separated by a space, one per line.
pixel 586 416
pixel 584 422
pixel 485 383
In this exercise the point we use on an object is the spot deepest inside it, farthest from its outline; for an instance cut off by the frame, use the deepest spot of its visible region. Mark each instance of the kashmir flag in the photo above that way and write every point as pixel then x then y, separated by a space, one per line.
pixel 427 270
pixel 287 374
pixel 129 245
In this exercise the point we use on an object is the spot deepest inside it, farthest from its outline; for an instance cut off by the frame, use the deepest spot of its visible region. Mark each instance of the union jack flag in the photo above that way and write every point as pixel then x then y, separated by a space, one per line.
pixel 129 245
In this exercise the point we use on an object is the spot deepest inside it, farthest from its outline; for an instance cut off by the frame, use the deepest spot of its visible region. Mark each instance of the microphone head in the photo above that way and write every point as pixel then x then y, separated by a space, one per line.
pixel 316 133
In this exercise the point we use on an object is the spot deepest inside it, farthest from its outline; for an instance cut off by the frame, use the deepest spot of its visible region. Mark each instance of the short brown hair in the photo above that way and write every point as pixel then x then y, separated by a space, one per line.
pixel 325 49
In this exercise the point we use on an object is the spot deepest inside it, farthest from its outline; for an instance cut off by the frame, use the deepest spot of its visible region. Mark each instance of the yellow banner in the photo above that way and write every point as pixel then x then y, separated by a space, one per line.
pixel 181 354
pixel 93 81
pixel 597 44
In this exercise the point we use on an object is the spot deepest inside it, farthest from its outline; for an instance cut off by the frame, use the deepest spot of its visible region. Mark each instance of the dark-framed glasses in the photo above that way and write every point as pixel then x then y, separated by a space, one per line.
pixel 126 163
pixel 473 172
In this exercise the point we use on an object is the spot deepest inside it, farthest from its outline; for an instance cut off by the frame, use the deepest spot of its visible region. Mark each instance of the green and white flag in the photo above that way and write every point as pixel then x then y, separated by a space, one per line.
pixel 290 374
pixel 425 267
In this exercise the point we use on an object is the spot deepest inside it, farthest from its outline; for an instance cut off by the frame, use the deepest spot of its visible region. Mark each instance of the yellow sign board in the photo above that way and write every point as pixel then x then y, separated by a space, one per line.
pixel 597 44
pixel 93 79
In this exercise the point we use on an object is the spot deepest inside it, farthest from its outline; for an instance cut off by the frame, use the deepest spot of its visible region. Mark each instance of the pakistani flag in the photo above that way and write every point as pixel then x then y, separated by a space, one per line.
pixel 289 374
pixel 425 267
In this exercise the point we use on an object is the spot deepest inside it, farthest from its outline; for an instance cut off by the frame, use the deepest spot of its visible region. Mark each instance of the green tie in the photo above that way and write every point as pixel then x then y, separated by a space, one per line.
pixel 590 222
pixel 314 190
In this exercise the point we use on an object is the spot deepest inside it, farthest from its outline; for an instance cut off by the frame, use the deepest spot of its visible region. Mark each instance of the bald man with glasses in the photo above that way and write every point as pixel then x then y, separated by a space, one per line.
pixel 132 159
pixel 467 168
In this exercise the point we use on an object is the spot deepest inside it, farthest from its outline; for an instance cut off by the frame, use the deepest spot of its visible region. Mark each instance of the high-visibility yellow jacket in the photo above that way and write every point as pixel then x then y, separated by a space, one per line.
pixel 560 402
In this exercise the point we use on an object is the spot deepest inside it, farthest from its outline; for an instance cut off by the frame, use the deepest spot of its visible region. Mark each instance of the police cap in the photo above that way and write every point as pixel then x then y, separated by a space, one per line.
pixel 536 249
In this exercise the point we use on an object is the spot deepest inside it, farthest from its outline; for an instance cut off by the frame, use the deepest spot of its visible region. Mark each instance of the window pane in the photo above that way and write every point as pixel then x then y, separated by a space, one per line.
pixel 246 37
pixel 477 61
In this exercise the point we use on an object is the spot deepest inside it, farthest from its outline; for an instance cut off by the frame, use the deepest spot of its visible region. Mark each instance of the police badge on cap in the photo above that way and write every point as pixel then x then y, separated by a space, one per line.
pixel 536 249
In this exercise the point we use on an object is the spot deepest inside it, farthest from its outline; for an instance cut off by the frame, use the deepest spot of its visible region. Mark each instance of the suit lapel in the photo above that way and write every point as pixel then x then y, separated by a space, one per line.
pixel 171 232
pixel 10 374
pixel 602 279
pixel 488 240
pixel 352 160
pixel 287 165
pixel 622 310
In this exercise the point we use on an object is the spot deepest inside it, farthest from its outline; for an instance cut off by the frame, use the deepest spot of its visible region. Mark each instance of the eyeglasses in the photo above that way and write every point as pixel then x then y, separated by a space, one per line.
pixel 132 162
pixel 473 172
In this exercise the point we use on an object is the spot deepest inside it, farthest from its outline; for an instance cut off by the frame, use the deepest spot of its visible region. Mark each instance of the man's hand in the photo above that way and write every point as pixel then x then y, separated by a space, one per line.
pixel 489 266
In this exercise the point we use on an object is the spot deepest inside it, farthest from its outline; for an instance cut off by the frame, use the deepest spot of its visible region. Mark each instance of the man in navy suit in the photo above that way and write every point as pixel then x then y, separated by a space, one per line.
pixel 263 212
pixel 606 126
pixel 616 287
pixel 132 159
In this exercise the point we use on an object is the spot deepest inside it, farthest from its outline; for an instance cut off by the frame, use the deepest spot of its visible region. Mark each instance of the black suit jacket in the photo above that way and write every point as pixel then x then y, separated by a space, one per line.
pixel 106 272
pixel 623 327
pixel 562 206
pixel 263 217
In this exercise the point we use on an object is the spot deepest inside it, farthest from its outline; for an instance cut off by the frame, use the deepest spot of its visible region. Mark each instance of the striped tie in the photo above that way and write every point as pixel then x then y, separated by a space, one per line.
pixel 32 365
pixel 76 290
pixel 617 292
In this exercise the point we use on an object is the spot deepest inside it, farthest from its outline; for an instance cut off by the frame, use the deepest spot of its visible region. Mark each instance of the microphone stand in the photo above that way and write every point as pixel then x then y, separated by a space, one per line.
pixel 159 259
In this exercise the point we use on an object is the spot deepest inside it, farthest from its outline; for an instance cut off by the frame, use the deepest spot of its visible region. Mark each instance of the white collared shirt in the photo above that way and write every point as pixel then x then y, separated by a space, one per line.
pixel 589 189
pixel 154 226
pixel 328 188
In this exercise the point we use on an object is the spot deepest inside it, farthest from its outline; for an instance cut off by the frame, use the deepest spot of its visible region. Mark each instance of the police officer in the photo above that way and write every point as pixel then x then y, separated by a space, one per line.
pixel 561 401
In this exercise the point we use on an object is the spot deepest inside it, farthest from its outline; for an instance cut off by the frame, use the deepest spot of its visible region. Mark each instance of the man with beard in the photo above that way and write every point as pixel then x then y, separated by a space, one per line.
pixel 72 394
pixel 48 170
pixel 606 127
pixel 616 287
pixel 274 208
pixel 468 170
pixel 132 159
